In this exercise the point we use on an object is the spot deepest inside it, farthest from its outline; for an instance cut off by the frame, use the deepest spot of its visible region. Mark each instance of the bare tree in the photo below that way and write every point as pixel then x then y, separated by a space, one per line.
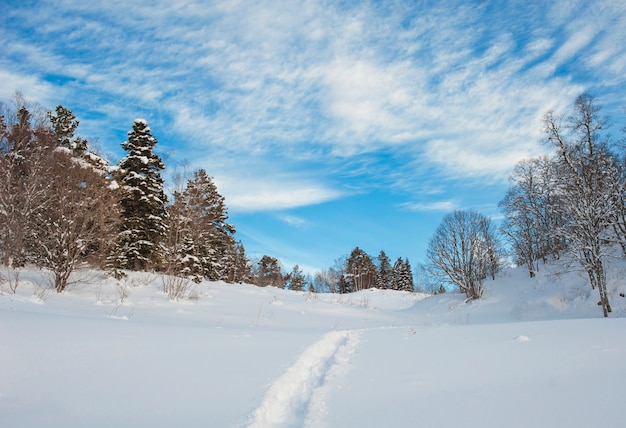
pixel 462 251
pixel 327 281
pixel 590 186
pixel 530 214
pixel 72 225
pixel 24 165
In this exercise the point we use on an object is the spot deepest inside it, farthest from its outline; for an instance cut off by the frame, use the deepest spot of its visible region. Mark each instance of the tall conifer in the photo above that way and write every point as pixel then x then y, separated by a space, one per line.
pixel 143 202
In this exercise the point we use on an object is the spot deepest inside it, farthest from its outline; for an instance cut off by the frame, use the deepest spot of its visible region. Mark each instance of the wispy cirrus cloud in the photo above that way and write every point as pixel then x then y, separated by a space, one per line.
pixel 458 86
pixel 442 206
pixel 294 221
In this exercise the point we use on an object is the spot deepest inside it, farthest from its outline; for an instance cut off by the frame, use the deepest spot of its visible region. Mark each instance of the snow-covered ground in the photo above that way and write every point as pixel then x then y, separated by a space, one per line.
pixel 113 353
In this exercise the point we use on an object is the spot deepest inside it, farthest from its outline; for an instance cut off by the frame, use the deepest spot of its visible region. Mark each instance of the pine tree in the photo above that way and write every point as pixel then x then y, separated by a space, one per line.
pixel 407 277
pixel 296 279
pixel 269 272
pixel 396 274
pixel 383 276
pixel 360 272
pixel 186 263
pixel 402 277
pixel 64 123
pixel 205 215
pixel 143 200
pixel 238 265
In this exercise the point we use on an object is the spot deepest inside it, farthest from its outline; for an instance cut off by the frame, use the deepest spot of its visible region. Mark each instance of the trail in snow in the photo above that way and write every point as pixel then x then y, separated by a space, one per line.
pixel 297 398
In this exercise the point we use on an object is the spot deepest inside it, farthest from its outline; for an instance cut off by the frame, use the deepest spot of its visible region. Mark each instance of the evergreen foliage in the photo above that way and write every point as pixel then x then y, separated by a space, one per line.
pixel 59 207
pixel 359 272
pixel 402 277
pixel 384 274
pixel 205 209
pixel 269 272
pixel 144 217
pixel 64 123
pixel 295 279
pixel 238 265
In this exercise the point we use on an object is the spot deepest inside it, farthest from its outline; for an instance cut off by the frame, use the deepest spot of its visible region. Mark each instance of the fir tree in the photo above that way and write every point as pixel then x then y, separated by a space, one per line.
pixel 204 211
pixel 143 200
pixel 64 123
pixel 238 265
pixel 383 276
pixel 402 277
pixel 269 272
pixel 187 264
pixel 295 279
pixel 360 272
pixel 407 277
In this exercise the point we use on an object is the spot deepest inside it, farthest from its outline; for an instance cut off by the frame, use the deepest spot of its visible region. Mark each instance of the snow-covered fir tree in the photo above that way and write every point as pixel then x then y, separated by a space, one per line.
pixel 383 276
pixel 402 277
pixel 199 214
pixel 144 217
pixel 186 263
pixel 238 267
pixel 360 272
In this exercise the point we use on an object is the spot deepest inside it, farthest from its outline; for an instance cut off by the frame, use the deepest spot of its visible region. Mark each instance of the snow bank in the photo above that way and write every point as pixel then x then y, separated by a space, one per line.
pixel 121 353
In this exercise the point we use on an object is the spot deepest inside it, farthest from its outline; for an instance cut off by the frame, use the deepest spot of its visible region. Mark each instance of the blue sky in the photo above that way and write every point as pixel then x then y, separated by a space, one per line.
pixel 326 124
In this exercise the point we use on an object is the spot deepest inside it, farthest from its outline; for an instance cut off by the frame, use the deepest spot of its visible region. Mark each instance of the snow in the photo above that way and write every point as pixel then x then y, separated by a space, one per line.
pixel 121 353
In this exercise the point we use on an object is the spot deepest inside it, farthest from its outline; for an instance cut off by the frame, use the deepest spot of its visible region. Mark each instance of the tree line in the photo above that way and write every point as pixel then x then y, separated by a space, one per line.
pixel 355 272
pixel 62 206
pixel 570 202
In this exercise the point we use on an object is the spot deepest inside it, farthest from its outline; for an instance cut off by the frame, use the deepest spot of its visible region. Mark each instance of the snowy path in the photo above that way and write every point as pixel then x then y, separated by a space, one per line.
pixel 298 397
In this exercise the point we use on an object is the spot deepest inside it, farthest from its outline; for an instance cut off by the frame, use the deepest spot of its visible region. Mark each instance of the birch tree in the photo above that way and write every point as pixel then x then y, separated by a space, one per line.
pixel 590 185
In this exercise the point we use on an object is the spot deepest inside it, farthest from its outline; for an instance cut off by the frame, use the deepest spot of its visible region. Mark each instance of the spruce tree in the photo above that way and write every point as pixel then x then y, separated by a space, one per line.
pixel 296 279
pixel 360 271
pixel 407 277
pixel 269 272
pixel 64 123
pixel 396 275
pixel 383 276
pixel 238 267
pixel 402 277
pixel 186 263
pixel 143 200
pixel 205 212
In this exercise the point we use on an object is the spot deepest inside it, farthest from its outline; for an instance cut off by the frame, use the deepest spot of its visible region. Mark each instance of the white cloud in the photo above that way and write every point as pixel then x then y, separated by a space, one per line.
pixel 578 40
pixel 293 221
pixel 443 206
pixel 32 87
pixel 284 81
pixel 246 193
